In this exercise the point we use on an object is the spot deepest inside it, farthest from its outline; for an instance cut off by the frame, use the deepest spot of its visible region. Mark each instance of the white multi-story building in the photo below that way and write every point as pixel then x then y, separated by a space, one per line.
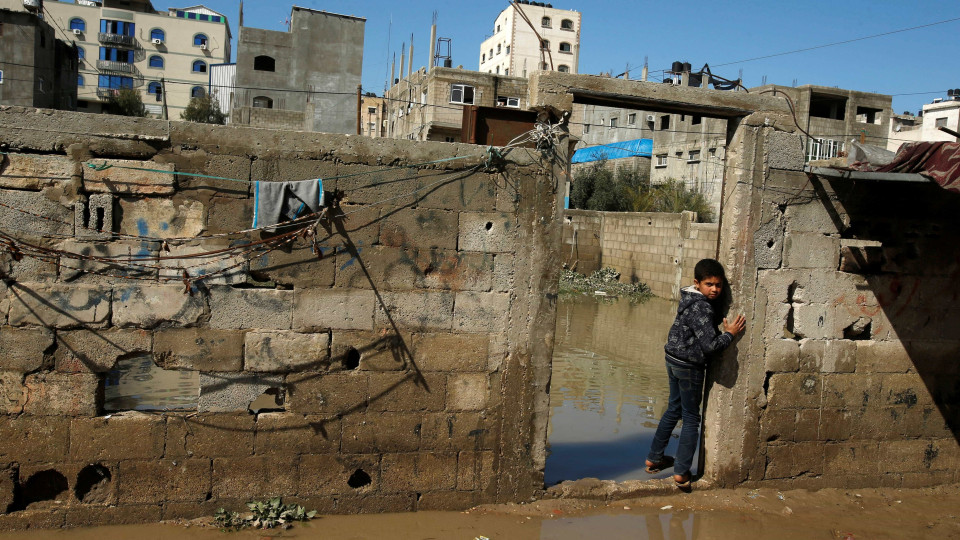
pixel 550 41
pixel 127 43
pixel 941 113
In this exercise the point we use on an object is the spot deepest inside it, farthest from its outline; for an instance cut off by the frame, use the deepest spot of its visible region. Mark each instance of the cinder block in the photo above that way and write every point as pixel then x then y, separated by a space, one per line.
pixel 285 433
pixel 338 309
pixel 417 472
pixel 297 266
pixel 424 310
pixel 447 501
pixel 814 321
pixel 451 352
pixel 329 393
pixel 133 260
pixel 119 437
pixel 31 439
pixel 905 389
pixel 381 432
pixel 147 306
pixel 374 351
pixel 58 306
pixel 67 394
pixel 210 435
pixel 481 312
pixel 794 390
pixel 406 392
pixel 237 167
pixel 97 351
pixel 93 217
pixel 493 232
pixel 453 191
pixel 779 425
pixel 852 458
pixel 839 356
pixel 467 391
pixel 459 430
pixel 906 456
pixel 342 474
pixel 475 470
pixel 883 357
pixel 803 250
pixel 285 351
pixel 166 480
pixel 782 355
pixel 254 477
pixel 817 218
pixel 237 309
pixel 225 215
pixel 214 270
pixel 22 349
pixel 129 180
pixel 12 393
pixel 30 171
pixel 90 516
pixel 791 460
pixel 21 207
pixel 200 349
pixel 233 392
pixel 162 218
pixel 420 228
pixel 849 391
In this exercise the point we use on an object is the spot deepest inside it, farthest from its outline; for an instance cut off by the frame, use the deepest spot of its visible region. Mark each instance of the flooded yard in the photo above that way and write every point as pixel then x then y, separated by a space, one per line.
pixel 609 388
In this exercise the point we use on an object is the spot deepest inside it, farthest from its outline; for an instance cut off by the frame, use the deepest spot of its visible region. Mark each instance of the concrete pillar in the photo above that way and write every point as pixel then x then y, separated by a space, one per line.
pixel 433 47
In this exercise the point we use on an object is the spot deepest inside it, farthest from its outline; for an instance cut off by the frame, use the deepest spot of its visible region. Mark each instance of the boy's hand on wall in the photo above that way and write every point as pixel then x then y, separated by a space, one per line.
pixel 737 326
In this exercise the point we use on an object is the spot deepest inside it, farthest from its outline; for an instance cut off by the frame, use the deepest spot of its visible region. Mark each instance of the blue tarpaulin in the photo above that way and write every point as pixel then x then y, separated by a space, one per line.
pixel 617 150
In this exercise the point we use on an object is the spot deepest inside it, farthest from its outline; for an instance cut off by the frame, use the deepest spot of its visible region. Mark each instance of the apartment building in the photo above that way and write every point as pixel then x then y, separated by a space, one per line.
pixel 531 36
pixel 129 44
pixel 36 68
pixel 373 109
pixel 926 126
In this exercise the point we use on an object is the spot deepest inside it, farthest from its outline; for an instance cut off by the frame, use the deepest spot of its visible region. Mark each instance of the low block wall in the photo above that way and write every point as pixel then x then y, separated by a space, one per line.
pixel 406 351
pixel 657 249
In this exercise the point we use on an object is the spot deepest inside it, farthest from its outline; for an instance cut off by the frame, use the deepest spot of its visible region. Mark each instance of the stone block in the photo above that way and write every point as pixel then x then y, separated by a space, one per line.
pixel 808 250
pixel 296 266
pixel 792 460
pixel 149 306
pixel 794 390
pixel 849 391
pixel 97 351
pixel 420 228
pixel 489 232
pixel 30 171
pixel 93 217
pixel 371 351
pixel 339 474
pixel 118 437
pixel 254 478
pixel 132 179
pixel 162 218
pixel 226 215
pixel 22 207
pixel 233 392
pixel 861 259
pixel 286 433
pixel 199 162
pixel 852 458
pixel 371 184
pixel 477 192
pixel 331 393
pixel 91 516
pixel 475 470
pixel 839 356
pixel 210 435
pixel 417 472
pixel 315 309
pixel 357 225
pixel 458 430
pixel 381 432
pixel 906 456
pixel 285 351
pixel 67 394
pixel 815 321
pixel 447 501
pixel 58 306
pixel 905 389
pixel 481 312
pixel 34 439
pixel 504 272
pixel 166 480
pixel 817 218
pixel 200 349
pixel 779 425
pixel 883 357
pixel 467 391
pixel 388 268
pixel 423 310
pixel 222 269
pixel 451 352
pixel 12 394
pixel 22 349
pixel 237 309
pixel 782 355
pixel 404 392
pixel 122 259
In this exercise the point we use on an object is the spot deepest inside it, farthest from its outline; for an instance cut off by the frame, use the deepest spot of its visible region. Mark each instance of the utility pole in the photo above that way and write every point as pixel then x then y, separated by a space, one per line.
pixel 163 90
pixel 359 103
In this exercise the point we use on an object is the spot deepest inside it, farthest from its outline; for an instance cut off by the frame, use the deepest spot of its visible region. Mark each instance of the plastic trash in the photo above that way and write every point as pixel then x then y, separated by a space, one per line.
pixel 667 507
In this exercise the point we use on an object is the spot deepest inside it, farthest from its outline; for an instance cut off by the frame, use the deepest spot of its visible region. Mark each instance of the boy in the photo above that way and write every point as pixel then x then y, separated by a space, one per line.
pixel 693 339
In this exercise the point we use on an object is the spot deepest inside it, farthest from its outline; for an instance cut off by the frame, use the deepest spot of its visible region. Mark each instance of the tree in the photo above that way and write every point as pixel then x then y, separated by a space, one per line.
pixel 126 102
pixel 204 109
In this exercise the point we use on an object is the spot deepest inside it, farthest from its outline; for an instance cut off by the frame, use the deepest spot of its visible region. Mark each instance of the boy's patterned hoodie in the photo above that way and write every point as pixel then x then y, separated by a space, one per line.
pixel 694 337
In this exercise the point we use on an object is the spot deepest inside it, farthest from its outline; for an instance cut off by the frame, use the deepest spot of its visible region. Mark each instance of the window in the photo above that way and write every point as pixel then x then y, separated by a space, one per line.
pixel 545 22
pixel 498 70
pixel 204 17
pixel 693 156
pixel 713 152
pixel 504 101
pixel 199 40
pixel 543 65
pixel 566 24
pixel 483 57
pixel 695 120
pixel 199 66
pixel 507 50
pixel 80 81
pixel 264 63
pixel 116 55
pixel 263 102
pixel 153 88
pixel 197 91
pixel 828 106
pixel 632 118
pixel 156 61
pixel 115 81
pixel 461 93
pixel 565 47
pixel 157 33
pixel 665 121
pixel 661 160
pixel 586 128
pixel 613 122
pixel 81 53
pixel 941 122
pixel 498 28
pixel 491 52
pixel 823 149
pixel 498 48
pixel 506 71
pixel 372 110
pixel 77 23
pixel 868 115
pixel 545 44
pixel 191 15
pixel 563 68
pixel 215 18
pixel 121 28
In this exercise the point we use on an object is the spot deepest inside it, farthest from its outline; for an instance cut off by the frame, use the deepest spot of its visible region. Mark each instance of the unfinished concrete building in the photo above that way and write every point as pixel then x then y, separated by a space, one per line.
pixel 304 79
pixel 36 69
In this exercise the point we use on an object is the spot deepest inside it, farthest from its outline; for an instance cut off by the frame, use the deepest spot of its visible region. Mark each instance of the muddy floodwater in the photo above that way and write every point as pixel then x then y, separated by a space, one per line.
pixel 609 388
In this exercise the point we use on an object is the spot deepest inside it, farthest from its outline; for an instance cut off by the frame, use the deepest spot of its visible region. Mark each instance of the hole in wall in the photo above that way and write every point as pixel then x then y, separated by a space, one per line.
pixel 48 485
pixel 137 384
pixel 93 484
pixel 269 401
pixel 858 330
pixel 358 479
pixel 770 243
pixel 489 225
pixel 351 360
pixel 99 224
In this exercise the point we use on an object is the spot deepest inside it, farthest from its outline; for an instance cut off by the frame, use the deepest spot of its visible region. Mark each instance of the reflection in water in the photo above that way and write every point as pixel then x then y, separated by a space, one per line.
pixel 137 384
pixel 675 526
pixel 609 388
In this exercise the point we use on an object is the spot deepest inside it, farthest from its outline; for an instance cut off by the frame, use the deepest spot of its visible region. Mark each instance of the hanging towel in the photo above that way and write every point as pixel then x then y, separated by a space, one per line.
pixel 276 202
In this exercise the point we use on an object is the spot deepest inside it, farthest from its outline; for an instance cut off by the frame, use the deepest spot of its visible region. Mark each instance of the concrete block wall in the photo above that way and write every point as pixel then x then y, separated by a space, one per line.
pixel 259 117
pixel 655 248
pixel 412 359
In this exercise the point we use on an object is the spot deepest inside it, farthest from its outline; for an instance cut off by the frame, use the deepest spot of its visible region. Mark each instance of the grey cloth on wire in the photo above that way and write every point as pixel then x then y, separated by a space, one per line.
pixel 276 202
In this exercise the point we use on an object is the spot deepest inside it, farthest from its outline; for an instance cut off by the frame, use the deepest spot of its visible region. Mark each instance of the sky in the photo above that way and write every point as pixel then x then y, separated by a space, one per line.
pixel 621 33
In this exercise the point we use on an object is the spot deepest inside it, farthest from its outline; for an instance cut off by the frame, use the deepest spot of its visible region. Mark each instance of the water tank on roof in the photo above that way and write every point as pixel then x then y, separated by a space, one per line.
pixel 687 67
pixel 447 63
pixel 32 5
pixel 676 67
pixel 550 6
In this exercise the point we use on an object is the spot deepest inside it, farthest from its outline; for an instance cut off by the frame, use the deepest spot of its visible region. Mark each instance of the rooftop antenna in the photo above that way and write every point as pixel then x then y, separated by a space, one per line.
pixel 794 83
pixel 763 81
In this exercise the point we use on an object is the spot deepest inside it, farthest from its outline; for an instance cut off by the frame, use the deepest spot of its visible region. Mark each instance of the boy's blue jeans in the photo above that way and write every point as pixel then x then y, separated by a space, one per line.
pixel 686 393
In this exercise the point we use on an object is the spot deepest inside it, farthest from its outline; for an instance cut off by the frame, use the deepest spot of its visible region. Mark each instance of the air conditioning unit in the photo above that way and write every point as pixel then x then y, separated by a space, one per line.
pixel 77 31
pixel 157 41
pixel 203 46
pixel 651 118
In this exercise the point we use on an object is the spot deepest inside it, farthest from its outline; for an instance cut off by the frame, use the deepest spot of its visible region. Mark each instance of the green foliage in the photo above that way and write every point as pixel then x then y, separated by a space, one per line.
pixel 126 102
pixel 605 281
pixel 204 109
pixel 264 515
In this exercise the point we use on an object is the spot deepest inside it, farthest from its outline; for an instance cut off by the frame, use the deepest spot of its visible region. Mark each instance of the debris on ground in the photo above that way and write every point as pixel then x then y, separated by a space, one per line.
pixel 604 283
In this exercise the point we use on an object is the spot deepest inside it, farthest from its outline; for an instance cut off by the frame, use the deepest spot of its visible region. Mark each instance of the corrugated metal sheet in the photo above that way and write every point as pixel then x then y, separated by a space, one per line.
pixel 223 79
pixel 617 150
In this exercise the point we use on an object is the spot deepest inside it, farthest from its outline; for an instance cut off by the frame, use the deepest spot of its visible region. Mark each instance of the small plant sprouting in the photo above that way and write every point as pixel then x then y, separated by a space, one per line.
pixel 268 514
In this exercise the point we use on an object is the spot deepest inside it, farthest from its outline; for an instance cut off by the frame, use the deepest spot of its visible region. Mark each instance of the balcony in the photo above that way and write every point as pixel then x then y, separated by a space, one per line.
pixel 116 67
pixel 117 39
pixel 105 93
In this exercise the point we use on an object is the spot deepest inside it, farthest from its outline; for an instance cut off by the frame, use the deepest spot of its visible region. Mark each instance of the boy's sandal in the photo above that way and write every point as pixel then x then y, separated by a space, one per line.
pixel 685 485
pixel 664 463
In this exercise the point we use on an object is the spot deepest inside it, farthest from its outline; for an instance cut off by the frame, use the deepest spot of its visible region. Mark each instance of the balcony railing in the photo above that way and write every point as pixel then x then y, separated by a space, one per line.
pixel 117 39
pixel 117 67
pixel 106 93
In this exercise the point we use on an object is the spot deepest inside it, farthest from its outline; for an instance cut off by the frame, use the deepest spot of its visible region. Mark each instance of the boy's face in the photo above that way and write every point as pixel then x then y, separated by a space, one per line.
pixel 710 286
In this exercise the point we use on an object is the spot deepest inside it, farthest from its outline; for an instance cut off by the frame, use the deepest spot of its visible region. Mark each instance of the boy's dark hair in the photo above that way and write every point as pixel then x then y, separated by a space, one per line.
pixel 708 268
